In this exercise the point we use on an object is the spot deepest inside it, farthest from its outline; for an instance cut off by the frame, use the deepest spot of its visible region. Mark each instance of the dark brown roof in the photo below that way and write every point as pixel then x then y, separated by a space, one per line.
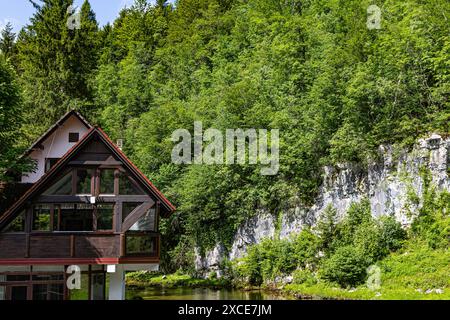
pixel 166 209
pixel 52 129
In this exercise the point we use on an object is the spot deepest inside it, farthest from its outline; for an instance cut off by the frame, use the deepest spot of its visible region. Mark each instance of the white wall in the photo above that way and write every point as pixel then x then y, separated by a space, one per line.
pixel 55 146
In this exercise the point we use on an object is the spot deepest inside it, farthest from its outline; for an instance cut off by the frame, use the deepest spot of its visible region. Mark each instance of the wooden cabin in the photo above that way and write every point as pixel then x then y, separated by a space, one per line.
pixel 85 205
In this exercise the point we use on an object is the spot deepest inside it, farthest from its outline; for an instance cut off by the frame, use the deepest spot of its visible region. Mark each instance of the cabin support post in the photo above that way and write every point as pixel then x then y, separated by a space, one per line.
pixel 116 282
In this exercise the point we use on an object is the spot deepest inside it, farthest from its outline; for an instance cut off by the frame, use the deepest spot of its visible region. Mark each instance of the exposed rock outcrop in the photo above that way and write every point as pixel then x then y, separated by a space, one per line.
pixel 386 184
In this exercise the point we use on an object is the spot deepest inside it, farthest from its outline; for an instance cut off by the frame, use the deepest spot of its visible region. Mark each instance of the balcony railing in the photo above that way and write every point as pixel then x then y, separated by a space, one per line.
pixel 63 245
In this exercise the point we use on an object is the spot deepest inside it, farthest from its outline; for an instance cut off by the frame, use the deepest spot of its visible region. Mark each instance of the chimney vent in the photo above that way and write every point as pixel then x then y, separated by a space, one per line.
pixel 120 143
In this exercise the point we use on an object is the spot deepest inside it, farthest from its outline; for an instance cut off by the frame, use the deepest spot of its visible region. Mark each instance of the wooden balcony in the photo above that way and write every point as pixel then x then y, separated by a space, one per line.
pixel 70 247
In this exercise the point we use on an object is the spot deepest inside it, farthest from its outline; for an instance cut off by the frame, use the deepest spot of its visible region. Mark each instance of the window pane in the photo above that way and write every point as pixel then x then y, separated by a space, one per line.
pixel 2 293
pixel 98 286
pixel 138 244
pixel 17 277
pixel 105 214
pixel 107 181
pixel 83 292
pixel 128 187
pixel 146 222
pixel 41 218
pixel 50 162
pixel 128 207
pixel 84 181
pixel 48 277
pixel 76 217
pixel 63 187
pixel 56 292
pixel 18 224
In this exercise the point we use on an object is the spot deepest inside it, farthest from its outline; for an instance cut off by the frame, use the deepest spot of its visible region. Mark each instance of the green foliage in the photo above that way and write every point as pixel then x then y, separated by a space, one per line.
pixel 304 277
pixel 149 279
pixel 326 228
pixel 346 266
pixel 11 118
pixel 433 220
pixel 306 246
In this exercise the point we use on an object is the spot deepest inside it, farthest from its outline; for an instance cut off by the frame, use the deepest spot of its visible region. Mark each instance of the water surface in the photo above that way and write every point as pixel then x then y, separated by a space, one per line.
pixel 153 293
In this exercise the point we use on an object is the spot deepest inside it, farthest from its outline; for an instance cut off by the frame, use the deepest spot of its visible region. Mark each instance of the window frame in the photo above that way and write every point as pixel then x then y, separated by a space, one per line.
pixel 74 137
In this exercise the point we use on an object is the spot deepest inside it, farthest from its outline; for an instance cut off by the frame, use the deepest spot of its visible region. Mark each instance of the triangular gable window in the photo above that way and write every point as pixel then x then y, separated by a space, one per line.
pixel 17 225
pixel 63 187
pixel 127 186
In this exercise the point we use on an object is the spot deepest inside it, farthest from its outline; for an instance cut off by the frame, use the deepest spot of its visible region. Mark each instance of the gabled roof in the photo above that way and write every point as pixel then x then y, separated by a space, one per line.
pixel 166 207
pixel 53 128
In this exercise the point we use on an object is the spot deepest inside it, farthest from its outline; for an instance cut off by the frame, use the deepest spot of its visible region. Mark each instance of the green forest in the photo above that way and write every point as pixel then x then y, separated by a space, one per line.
pixel 335 89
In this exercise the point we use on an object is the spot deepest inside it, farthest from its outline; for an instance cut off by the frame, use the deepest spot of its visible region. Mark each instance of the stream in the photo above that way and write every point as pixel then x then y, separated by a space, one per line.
pixel 153 293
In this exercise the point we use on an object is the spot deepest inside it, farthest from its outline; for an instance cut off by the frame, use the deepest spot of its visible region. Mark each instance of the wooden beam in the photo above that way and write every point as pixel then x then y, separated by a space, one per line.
pixel 86 199
pixel 122 245
pixel 72 246
pixel 136 214
pixel 95 163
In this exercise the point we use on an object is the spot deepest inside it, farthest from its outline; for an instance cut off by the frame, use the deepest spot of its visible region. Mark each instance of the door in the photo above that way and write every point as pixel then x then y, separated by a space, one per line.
pixel 19 293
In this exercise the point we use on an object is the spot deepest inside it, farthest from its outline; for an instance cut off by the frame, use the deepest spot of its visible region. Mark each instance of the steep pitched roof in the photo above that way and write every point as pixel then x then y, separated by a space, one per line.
pixel 166 209
pixel 53 128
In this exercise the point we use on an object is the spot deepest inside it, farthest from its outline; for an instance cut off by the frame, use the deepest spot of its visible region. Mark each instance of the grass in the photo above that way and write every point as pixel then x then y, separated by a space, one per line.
pixel 405 275
pixel 148 279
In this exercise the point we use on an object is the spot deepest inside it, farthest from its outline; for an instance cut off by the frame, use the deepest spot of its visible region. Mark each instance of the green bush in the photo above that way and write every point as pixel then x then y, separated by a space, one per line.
pixel 306 277
pixel 392 234
pixel 306 247
pixel 346 267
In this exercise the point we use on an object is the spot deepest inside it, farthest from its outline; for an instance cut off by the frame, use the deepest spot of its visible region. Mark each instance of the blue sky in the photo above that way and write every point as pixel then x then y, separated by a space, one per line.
pixel 18 12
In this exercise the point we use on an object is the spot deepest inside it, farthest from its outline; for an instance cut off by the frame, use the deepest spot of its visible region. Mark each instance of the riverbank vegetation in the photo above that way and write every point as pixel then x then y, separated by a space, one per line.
pixel 155 279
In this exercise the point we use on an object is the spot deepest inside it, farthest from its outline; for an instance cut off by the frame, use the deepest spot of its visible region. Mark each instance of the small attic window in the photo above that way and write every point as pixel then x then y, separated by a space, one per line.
pixel 74 137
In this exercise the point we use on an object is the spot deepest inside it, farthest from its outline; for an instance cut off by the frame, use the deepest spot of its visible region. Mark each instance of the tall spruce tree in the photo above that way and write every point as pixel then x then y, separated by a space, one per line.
pixel 7 41
pixel 10 122
pixel 56 62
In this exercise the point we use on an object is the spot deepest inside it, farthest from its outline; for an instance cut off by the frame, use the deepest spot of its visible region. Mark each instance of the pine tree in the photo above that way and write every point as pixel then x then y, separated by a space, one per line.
pixel 56 62
pixel 7 41
pixel 10 121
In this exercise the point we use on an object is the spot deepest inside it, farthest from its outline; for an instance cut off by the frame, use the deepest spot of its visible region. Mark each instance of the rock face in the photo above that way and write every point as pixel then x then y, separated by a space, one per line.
pixel 385 183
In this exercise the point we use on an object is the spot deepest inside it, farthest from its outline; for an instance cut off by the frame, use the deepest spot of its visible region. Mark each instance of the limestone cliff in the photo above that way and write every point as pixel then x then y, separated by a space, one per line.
pixel 385 183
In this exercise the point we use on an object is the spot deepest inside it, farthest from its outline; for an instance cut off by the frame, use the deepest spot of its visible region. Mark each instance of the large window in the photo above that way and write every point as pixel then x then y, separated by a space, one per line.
pixel 48 291
pixel 140 244
pixel 107 181
pixel 84 177
pixel 41 217
pixel 105 213
pixel 62 187
pixel 76 217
